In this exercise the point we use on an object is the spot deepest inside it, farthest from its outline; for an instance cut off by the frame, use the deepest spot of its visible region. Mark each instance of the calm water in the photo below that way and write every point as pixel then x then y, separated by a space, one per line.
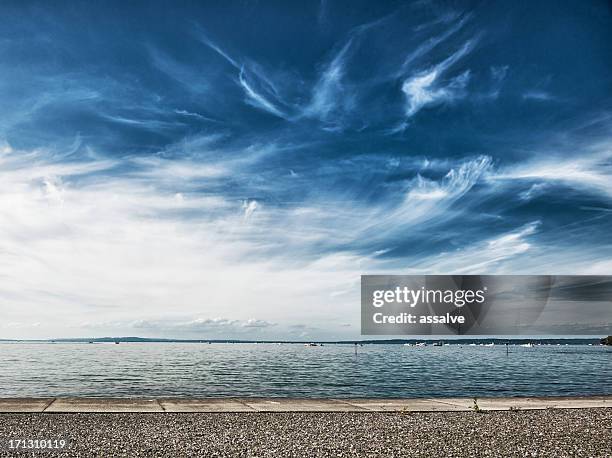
pixel 181 369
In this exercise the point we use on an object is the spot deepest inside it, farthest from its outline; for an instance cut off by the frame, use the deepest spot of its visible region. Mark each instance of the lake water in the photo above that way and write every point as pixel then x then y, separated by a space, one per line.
pixel 245 370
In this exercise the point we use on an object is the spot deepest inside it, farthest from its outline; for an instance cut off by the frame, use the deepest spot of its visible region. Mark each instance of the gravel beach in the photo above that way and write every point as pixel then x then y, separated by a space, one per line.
pixel 535 433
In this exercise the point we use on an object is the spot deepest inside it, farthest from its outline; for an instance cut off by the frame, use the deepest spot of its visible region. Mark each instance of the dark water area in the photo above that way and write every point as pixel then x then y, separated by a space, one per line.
pixel 293 370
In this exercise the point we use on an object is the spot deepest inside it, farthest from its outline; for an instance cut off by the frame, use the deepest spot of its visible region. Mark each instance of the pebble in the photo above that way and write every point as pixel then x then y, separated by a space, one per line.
pixel 541 433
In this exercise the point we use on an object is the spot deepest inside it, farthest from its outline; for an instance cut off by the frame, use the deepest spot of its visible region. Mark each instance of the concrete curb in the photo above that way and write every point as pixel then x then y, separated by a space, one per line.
pixel 161 405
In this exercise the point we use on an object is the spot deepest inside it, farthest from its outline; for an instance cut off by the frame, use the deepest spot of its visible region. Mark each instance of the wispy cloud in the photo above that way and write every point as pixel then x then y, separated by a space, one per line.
pixel 537 95
pixel 249 208
pixel 256 99
pixel 425 88
pixel 185 74
pixel 180 170
pixel 430 43
pixel 328 93
pixel 487 257
pixel 589 172
pixel 129 245
pixel 212 45
pixel 428 199
pixel 256 85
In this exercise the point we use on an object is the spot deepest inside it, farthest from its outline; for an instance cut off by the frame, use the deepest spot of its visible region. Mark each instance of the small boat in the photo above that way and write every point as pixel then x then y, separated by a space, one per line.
pixel 527 345
pixel 312 344
pixel 489 344
pixel 437 344
pixel 117 342
pixel 408 345
pixel 421 344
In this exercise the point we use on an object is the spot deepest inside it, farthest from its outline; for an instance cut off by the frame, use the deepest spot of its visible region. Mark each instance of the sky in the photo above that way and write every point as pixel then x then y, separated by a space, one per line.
pixel 230 169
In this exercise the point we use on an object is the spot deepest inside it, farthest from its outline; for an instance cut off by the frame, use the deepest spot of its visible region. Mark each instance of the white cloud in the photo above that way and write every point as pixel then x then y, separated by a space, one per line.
pixel 118 250
pixel 589 171
pixel 427 199
pixel 249 208
pixel 426 88
pixel 327 94
pixel 145 246
pixel 432 42
pixel 256 99
pixel 534 191
pixel 486 257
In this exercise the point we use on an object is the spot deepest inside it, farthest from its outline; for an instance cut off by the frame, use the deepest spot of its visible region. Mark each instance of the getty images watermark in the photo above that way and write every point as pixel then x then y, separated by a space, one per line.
pixel 486 305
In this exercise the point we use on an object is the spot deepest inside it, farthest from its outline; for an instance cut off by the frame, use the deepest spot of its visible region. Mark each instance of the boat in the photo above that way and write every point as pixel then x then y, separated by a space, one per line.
pixel 527 345
pixel 437 344
pixel 421 344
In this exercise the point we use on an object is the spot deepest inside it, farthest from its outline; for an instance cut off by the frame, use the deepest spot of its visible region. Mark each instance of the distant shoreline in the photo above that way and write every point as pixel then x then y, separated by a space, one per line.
pixel 452 340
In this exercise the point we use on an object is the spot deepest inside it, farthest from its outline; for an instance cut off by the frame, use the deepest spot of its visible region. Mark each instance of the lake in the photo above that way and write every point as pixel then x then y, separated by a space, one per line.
pixel 293 370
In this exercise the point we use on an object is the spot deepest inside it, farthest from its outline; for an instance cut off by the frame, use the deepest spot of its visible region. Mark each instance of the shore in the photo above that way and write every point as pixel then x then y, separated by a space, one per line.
pixel 518 433
pixel 225 404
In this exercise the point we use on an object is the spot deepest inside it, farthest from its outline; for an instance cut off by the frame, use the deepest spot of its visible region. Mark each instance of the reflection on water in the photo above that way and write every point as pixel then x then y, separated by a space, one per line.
pixel 182 369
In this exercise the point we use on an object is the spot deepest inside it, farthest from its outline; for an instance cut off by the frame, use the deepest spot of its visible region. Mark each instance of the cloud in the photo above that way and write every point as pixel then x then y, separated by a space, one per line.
pixel 425 88
pixel 183 73
pixel 53 189
pixel 253 323
pixel 428 45
pixel 498 74
pixel 213 325
pixel 150 124
pixel 194 115
pixel 256 85
pixel 122 246
pixel 175 178
pixel 534 191
pixel 588 172
pixel 537 95
pixel 328 93
pixel 212 45
pixel 256 99
pixel 428 199
pixel 249 208
pixel 183 328
pixel 331 96
pixel 487 257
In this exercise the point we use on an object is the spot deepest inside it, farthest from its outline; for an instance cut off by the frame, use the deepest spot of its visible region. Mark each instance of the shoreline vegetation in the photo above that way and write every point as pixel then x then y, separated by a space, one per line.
pixel 433 340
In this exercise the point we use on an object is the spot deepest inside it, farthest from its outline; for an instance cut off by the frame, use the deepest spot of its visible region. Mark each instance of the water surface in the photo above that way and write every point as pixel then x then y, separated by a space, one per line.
pixel 291 370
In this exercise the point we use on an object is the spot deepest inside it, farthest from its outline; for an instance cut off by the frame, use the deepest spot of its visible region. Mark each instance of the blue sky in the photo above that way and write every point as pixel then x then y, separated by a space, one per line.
pixel 230 170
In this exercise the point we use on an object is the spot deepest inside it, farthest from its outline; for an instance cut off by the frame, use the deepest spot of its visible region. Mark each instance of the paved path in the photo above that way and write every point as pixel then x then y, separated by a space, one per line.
pixel 109 405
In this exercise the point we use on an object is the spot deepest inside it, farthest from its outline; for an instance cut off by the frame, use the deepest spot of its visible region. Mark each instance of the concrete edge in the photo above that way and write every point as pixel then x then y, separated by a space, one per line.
pixel 220 405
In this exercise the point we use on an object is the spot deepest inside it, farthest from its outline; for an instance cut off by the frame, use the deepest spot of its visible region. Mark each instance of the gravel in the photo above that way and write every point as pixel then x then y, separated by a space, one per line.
pixel 534 433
